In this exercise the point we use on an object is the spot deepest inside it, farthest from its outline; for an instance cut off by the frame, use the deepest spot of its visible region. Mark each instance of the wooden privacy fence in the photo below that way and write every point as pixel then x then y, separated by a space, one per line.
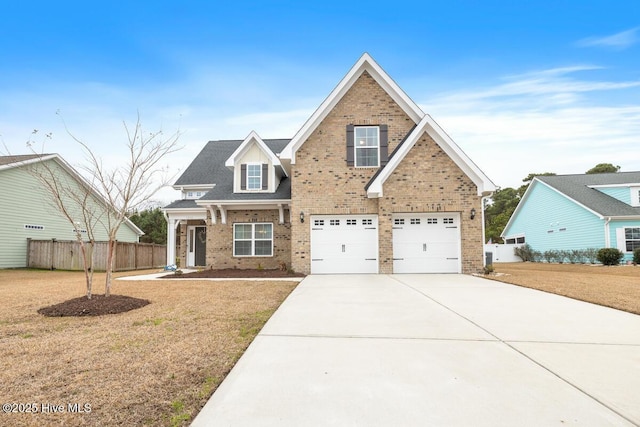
pixel 67 255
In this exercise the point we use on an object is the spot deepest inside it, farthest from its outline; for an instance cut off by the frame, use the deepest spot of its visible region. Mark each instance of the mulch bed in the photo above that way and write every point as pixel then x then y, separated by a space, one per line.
pixel 234 273
pixel 98 305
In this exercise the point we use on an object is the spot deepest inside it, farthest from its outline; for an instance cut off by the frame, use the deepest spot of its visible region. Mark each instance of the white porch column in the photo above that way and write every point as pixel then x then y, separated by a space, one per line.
pixel 171 241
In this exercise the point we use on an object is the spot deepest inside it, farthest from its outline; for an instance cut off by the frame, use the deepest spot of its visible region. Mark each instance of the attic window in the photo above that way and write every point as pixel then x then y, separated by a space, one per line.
pixel 254 177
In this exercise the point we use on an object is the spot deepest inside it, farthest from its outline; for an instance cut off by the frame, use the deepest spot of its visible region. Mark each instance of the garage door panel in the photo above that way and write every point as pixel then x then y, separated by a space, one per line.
pixel 344 244
pixel 426 243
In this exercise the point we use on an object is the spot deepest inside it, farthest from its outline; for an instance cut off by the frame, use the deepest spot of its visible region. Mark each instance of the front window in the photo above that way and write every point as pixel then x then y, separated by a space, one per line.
pixel 632 238
pixel 254 177
pixel 367 146
pixel 253 239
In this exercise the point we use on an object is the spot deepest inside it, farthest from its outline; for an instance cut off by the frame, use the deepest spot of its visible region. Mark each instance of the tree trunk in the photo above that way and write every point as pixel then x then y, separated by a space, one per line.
pixel 111 255
pixel 87 276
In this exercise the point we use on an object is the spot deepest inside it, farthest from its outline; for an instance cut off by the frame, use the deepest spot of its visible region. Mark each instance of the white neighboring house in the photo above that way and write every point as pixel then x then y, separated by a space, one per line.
pixel 26 210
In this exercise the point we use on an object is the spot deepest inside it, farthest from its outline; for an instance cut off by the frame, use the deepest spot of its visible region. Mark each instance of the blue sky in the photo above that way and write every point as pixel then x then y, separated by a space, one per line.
pixel 520 86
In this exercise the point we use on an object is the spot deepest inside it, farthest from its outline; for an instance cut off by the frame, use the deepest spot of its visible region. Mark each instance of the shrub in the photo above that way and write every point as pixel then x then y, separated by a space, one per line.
pixel 575 255
pixel 591 255
pixel 524 252
pixel 537 256
pixel 636 256
pixel 563 255
pixel 553 256
pixel 610 256
pixel 488 269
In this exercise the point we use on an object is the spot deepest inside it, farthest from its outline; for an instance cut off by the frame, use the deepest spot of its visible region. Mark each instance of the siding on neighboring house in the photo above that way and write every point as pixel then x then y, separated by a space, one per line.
pixel 550 220
pixel 25 202
pixel 621 193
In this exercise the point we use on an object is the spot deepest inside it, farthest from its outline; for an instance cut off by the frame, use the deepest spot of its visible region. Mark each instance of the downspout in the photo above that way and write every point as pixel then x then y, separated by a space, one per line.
pixel 607 234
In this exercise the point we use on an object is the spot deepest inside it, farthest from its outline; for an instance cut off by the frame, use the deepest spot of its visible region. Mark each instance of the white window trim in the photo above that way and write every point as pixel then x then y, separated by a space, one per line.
pixel 355 146
pixel 635 196
pixel 625 240
pixel 252 240
pixel 259 188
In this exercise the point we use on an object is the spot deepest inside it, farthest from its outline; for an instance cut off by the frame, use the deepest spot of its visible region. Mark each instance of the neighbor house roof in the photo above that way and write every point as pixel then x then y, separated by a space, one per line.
pixel 209 168
pixel 21 159
pixel 579 188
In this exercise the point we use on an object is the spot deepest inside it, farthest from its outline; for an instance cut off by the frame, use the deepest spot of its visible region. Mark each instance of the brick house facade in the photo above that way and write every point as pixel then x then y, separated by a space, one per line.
pixel 369 184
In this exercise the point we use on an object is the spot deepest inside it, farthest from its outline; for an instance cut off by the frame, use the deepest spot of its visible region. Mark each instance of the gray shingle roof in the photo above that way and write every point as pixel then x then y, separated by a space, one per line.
pixel 7 160
pixel 208 168
pixel 182 204
pixel 577 188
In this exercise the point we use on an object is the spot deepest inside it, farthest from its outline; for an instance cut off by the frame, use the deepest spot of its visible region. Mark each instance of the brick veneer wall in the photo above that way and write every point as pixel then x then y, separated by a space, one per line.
pixel 321 182
pixel 220 241
pixel 427 180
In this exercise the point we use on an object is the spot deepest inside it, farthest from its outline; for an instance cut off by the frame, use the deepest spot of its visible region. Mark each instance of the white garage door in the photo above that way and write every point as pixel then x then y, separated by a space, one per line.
pixel 426 243
pixel 344 244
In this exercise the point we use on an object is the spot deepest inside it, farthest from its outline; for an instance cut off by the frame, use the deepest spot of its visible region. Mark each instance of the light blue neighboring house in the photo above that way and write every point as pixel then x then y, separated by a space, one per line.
pixel 578 212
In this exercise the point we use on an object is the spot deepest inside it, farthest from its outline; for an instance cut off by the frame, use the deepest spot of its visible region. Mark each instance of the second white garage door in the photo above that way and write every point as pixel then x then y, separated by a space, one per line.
pixel 343 244
pixel 426 243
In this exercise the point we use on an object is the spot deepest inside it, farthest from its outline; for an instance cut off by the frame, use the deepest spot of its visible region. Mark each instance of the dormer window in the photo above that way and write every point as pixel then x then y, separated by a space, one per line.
pixel 254 177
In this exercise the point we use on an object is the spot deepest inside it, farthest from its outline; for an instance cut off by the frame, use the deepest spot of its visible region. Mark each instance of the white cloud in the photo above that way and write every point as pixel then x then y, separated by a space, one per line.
pixel 546 121
pixel 618 41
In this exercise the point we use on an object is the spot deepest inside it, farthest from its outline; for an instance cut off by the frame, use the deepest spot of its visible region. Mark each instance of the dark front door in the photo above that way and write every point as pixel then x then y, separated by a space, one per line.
pixel 201 246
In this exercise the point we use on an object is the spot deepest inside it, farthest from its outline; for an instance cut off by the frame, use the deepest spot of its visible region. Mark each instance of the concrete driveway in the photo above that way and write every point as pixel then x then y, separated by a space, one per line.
pixel 433 350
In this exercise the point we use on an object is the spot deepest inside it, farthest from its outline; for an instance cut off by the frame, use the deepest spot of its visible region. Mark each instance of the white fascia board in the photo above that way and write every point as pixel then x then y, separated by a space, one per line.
pixel 623 185
pixel 365 63
pixel 428 125
pixel 624 218
pixel 195 187
pixel 253 137
pixel 231 203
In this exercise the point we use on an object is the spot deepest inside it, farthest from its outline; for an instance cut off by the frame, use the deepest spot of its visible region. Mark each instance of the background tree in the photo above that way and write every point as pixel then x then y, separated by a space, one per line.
pixel 603 168
pixel 153 223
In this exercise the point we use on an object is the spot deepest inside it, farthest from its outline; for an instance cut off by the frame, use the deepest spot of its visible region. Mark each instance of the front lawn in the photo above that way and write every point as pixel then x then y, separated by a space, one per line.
pixel 615 286
pixel 156 365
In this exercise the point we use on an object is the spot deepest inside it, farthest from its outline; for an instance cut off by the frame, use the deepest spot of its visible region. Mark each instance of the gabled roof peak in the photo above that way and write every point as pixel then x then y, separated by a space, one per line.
pixel 253 137
pixel 364 63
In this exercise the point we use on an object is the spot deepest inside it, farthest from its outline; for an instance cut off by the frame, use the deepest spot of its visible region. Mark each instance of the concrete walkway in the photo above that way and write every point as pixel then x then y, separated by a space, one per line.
pixel 433 350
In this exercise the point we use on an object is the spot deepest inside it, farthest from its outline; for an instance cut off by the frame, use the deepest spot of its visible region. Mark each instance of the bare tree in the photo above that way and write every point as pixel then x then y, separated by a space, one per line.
pixel 74 199
pixel 130 184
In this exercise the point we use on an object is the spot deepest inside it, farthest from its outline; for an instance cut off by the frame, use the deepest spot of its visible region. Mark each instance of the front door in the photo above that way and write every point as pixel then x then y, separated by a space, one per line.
pixel 196 246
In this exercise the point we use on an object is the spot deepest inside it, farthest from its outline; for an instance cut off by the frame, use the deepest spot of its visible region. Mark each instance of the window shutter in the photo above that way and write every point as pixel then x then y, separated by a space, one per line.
pixel 621 241
pixel 243 177
pixel 384 144
pixel 350 139
pixel 265 176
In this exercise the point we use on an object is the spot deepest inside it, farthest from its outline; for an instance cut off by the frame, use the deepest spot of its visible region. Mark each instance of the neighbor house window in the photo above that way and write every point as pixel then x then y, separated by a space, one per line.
pixel 254 177
pixel 255 239
pixel 632 238
pixel 367 146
